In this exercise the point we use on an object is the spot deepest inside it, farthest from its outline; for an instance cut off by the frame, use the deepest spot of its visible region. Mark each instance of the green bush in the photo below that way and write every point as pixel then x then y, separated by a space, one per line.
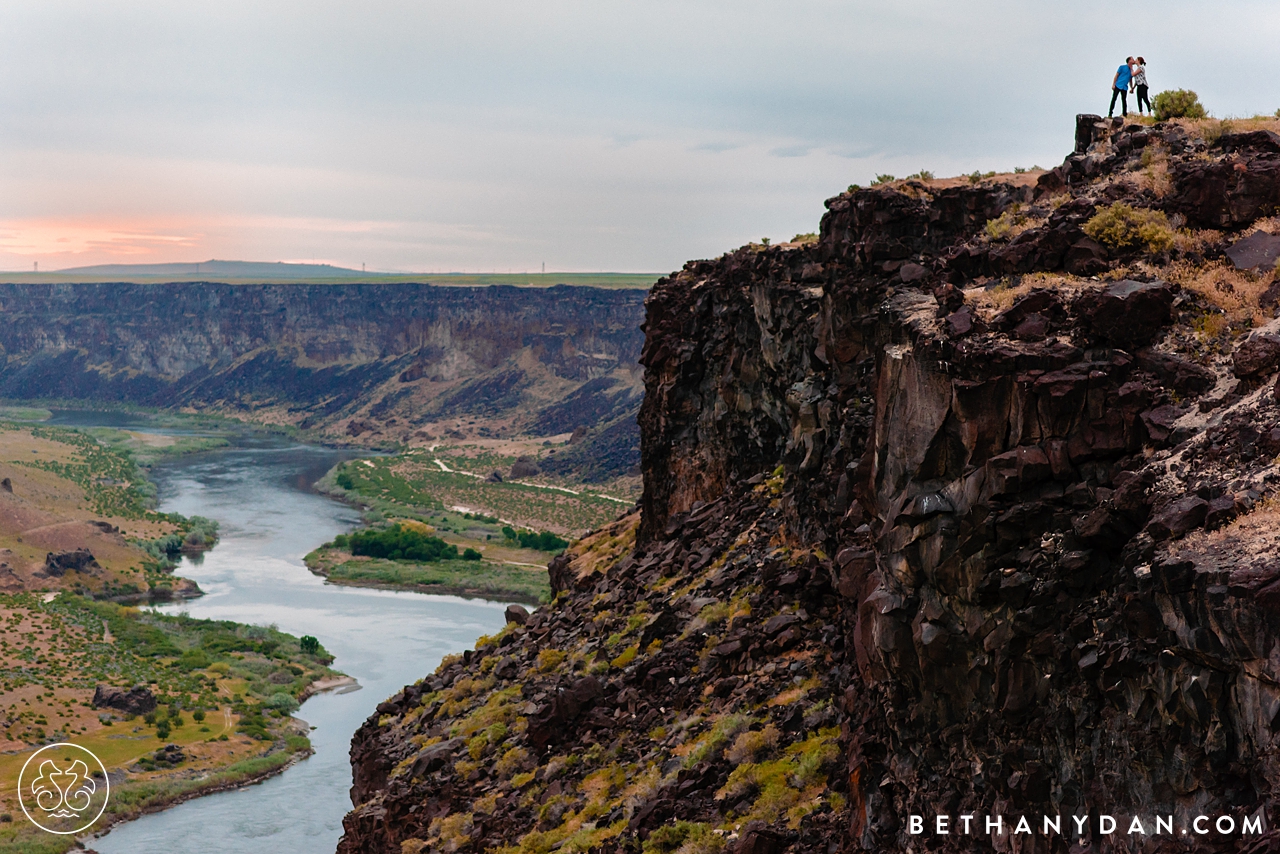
pixel 400 543
pixel 282 702
pixel 1122 226
pixel 344 480
pixel 543 542
pixel 1178 104
pixel 310 645
pixel 471 554
pixel 883 179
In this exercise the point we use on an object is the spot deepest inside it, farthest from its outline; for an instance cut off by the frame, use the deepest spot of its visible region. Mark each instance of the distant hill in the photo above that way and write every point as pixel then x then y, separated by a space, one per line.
pixel 237 269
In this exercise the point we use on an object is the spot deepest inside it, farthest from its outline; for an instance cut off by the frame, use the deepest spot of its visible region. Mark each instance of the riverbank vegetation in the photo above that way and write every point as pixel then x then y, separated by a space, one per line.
pixel 222 692
pixel 475 520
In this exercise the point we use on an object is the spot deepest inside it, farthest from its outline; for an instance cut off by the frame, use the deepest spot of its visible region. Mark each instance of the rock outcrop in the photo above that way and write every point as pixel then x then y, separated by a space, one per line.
pixel 934 524
pixel 137 700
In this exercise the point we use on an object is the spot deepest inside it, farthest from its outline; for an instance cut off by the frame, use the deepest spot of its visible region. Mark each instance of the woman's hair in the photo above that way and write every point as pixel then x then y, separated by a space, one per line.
pixel 1141 61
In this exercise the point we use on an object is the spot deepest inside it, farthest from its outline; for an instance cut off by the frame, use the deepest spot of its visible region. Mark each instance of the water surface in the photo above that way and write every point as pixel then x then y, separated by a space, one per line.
pixel 270 518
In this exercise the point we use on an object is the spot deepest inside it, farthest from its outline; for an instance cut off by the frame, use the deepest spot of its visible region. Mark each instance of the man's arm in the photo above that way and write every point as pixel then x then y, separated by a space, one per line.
pixel 1116 79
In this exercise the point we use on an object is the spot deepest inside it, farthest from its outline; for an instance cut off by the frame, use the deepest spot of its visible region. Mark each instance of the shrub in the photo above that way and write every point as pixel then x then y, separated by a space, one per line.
pixel 550 659
pixel 1002 227
pixel 1122 226
pixel 344 480
pixel 282 702
pixel 1178 104
pixel 750 746
pixel 471 554
pixel 309 644
pixel 882 179
pixel 922 175
pixel 543 542
pixel 400 542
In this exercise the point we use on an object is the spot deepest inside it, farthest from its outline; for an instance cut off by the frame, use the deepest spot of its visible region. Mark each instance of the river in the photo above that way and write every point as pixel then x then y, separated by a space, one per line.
pixel 260 492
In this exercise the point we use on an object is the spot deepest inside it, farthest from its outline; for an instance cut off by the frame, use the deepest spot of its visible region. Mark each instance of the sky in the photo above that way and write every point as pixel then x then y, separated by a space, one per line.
pixel 587 136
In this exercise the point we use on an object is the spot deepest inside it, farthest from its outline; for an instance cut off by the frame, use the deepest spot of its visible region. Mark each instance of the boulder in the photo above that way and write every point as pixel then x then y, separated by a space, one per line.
pixel 517 614
pixel 1258 354
pixel 434 757
pixel 137 700
pixel 524 467
pixel 1085 257
pixel 1127 314
pixel 6 485
pixel 1259 250
pixel 494 477
pixel 1179 518
pixel 79 560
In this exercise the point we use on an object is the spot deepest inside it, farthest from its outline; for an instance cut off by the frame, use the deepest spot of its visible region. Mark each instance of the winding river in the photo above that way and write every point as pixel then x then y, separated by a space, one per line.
pixel 260 492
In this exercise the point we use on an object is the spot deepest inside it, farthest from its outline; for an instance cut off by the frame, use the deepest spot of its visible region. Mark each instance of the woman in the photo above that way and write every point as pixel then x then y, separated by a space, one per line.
pixel 1140 84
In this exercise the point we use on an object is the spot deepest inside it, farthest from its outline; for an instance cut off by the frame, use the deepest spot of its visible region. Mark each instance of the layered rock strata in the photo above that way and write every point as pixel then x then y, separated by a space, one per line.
pixel 937 521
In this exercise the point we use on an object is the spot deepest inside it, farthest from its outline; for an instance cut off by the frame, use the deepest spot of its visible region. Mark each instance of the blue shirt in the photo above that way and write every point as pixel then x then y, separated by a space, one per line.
pixel 1122 82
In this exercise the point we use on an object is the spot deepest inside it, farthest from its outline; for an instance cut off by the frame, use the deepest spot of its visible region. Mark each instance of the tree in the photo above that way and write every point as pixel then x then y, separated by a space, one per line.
pixel 310 645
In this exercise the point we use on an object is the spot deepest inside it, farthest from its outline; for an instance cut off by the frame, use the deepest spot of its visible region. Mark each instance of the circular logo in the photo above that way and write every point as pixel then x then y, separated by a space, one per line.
pixel 63 788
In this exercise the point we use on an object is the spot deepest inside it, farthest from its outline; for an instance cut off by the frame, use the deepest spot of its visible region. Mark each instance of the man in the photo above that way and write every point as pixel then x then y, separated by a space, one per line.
pixel 1120 86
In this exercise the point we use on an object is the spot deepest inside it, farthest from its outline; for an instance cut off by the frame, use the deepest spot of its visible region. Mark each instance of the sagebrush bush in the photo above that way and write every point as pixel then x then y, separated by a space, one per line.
pixel 1002 227
pixel 1122 226
pixel 1178 104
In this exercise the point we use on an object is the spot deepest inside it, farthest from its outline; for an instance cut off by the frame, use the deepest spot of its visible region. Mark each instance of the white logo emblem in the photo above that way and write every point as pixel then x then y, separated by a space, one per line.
pixel 63 788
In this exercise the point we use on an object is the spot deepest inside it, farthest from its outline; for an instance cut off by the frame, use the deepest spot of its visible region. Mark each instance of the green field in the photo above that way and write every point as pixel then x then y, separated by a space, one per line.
pixel 416 483
pixel 484 579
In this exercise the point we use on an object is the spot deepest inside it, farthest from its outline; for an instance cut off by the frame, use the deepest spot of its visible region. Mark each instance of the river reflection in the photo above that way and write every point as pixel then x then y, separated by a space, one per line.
pixel 270 519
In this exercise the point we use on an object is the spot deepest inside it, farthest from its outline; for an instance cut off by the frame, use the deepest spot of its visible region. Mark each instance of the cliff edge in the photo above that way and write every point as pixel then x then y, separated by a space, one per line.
pixel 964 508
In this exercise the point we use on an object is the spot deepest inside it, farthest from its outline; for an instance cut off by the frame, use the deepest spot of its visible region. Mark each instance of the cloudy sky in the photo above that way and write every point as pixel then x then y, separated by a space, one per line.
pixel 601 135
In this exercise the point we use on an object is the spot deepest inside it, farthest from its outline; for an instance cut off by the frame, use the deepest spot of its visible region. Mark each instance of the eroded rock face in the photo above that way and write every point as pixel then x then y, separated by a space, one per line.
pixel 137 700
pixel 971 534
pixel 77 560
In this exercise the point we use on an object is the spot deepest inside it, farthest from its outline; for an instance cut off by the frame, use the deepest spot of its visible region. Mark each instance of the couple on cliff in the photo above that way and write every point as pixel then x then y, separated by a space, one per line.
pixel 1129 77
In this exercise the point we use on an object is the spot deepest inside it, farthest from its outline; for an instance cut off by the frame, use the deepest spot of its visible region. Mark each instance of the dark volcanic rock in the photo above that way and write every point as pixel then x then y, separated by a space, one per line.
pixel 524 467
pixel 937 551
pixel 137 700
pixel 1257 354
pixel 79 560
pixel 1128 314
pixel 1259 250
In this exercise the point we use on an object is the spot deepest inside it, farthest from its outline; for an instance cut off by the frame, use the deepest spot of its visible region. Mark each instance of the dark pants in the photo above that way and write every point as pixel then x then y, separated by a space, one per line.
pixel 1142 96
pixel 1124 101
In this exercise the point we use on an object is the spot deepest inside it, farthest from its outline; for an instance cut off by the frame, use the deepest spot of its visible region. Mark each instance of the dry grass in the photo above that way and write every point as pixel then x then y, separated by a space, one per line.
pixel 994 300
pixel 1234 291
pixel 1211 129
pixel 1256 535
pixel 1155 171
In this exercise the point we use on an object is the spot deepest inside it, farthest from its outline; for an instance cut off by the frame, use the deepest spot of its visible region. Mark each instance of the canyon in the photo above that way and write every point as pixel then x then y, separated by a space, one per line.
pixel 965 507
pixel 366 364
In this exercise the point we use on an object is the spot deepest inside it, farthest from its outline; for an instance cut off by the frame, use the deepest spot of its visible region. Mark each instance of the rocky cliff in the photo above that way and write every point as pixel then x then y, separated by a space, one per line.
pixel 964 509
pixel 366 362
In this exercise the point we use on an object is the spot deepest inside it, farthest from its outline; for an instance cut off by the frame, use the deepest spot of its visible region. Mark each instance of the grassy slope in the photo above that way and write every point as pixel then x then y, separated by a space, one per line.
pixel 53 654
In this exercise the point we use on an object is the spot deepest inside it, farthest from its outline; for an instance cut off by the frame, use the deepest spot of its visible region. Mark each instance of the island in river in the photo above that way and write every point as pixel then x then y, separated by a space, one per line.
pixel 202 705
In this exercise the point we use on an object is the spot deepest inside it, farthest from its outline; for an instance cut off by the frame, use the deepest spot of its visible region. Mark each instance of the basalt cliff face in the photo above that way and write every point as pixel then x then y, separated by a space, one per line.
pixel 369 363
pixel 955 511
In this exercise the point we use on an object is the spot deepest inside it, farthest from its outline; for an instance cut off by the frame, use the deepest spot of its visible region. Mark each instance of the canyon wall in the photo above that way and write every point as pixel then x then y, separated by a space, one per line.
pixel 938 520
pixel 369 362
